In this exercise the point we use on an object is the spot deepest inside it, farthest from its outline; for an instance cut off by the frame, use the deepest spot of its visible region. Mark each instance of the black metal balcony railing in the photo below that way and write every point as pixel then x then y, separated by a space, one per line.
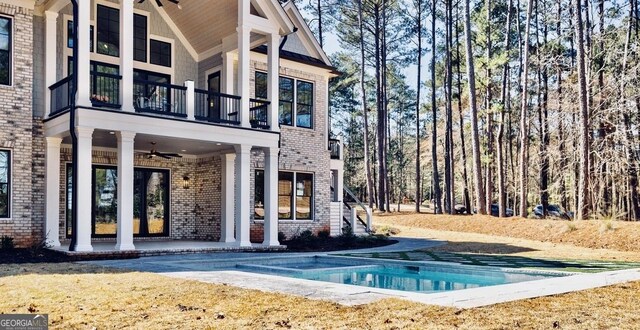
pixel 258 113
pixel 217 107
pixel 159 98
pixel 61 95
pixel 334 148
pixel 105 90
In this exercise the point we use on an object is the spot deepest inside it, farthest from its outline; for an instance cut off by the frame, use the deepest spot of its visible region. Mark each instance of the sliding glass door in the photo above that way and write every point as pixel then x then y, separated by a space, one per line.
pixel 150 202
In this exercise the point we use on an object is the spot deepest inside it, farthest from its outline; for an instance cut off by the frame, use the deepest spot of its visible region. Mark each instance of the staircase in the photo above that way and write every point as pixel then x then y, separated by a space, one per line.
pixel 353 212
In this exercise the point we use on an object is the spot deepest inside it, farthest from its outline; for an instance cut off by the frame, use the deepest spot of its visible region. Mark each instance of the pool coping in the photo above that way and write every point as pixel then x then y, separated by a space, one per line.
pixel 346 294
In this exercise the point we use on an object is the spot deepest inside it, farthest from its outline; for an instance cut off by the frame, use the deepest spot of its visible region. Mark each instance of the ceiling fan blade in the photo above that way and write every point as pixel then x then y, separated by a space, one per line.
pixel 163 156
pixel 173 155
pixel 159 3
pixel 140 1
pixel 174 1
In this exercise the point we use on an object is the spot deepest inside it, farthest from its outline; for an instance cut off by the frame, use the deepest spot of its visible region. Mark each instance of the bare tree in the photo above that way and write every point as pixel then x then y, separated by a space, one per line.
pixel 524 117
pixel 583 183
pixel 434 109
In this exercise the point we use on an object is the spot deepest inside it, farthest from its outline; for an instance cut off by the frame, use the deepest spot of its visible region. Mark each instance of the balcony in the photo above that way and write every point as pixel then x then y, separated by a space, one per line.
pixel 164 100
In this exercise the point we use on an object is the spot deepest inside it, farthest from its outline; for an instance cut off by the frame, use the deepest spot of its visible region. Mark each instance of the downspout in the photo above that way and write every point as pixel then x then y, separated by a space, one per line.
pixel 286 36
pixel 72 131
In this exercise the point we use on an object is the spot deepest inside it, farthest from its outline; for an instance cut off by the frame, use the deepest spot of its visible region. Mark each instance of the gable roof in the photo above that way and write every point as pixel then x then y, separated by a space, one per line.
pixel 305 35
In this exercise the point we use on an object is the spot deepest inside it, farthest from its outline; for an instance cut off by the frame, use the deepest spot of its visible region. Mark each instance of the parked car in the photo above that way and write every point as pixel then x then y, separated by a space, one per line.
pixel 495 211
pixel 553 210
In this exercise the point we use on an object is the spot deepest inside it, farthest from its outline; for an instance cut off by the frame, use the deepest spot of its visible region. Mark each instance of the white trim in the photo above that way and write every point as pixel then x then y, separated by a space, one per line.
pixel 210 52
pixel 207 73
pixel 10 192
pixel 12 47
pixel 311 43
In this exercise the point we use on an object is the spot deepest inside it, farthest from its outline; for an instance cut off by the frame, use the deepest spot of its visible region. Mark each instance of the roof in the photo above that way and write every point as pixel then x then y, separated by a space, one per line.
pixel 300 58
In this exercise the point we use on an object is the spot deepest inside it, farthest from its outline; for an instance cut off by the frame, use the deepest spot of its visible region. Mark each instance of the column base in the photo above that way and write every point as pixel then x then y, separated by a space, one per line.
pixel 83 248
pixel 271 243
pixel 227 240
pixel 243 243
pixel 125 247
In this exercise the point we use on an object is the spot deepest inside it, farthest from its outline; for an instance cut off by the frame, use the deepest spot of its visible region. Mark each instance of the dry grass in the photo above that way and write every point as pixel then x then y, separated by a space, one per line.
pixel 592 234
pixel 84 297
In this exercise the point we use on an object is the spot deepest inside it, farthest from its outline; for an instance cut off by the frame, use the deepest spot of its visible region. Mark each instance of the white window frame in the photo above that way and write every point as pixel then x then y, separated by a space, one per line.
pixel 10 190
pixel 12 38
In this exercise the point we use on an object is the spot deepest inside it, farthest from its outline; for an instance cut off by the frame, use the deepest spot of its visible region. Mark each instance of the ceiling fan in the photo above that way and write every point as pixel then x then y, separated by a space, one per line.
pixel 154 153
pixel 160 2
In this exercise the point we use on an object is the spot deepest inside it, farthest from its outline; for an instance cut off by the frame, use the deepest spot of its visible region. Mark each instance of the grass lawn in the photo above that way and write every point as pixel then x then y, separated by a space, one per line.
pixel 85 296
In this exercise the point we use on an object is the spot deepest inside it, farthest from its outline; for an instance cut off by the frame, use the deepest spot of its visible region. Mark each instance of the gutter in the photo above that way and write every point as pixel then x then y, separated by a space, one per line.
pixel 72 131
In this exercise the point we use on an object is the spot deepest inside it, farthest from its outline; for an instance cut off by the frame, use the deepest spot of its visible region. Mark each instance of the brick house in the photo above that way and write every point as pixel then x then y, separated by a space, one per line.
pixel 204 121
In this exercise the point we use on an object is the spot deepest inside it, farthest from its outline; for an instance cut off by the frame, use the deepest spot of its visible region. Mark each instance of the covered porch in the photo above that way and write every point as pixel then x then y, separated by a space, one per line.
pixel 202 175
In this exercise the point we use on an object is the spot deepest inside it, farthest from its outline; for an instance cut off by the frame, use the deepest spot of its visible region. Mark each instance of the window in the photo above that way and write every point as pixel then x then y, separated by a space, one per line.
pixel 290 206
pixel 261 85
pixel 70 35
pixel 293 111
pixel 304 104
pixel 286 101
pixel 5 51
pixel 108 31
pixel 258 201
pixel 5 182
pixel 160 53
pixel 140 38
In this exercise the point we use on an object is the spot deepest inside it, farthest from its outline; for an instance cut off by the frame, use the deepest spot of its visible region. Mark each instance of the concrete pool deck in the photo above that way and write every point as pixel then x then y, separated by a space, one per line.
pixel 217 268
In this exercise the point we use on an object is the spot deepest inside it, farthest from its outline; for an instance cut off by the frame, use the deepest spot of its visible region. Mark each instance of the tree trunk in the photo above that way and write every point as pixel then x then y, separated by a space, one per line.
pixel 524 118
pixel 434 109
pixel 363 95
pixel 505 98
pixel 465 176
pixel 583 183
pixel 418 195
pixel 477 167
pixel 489 113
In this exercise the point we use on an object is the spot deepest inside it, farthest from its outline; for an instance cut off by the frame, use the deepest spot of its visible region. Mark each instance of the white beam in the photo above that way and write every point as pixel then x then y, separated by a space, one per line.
pixel 50 50
pixel 271 197
pixel 124 239
pixel 227 200
pixel 83 231
pixel 52 191
pixel 126 55
pixel 243 157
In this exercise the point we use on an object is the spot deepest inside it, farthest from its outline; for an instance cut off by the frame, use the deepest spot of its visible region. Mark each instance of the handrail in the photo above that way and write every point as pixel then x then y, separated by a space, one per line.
pixel 154 83
pixel 204 91
pixel 366 224
pixel 61 82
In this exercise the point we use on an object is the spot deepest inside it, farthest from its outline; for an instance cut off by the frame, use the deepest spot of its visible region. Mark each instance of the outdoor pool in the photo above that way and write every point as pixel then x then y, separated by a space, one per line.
pixel 392 274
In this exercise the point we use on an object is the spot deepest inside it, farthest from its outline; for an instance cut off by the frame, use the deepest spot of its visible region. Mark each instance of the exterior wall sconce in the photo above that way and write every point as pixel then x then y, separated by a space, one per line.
pixel 186 182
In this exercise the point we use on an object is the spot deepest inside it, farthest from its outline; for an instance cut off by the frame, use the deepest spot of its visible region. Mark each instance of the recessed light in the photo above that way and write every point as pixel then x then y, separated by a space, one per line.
pixel 218 144
pixel 183 150
pixel 112 133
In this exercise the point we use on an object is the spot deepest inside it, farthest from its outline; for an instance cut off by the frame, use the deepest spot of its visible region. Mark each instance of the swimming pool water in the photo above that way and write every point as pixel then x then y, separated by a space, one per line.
pixel 393 274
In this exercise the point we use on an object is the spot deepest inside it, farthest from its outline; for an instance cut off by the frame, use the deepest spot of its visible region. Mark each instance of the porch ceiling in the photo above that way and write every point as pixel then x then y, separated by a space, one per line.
pixel 142 144
pixel 204 22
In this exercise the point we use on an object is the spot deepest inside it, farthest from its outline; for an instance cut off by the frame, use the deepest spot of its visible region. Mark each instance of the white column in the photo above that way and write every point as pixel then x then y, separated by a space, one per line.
pixel 52 191
pixel 50 50
pixel 227 202
pixel 227 73
pixel 84 56
pixel 126 55
pixel 273 84
pixel 83 232
pixel 191 99
pixel 244 56
pixel 243 157
pixel 124 240
pixel 271 197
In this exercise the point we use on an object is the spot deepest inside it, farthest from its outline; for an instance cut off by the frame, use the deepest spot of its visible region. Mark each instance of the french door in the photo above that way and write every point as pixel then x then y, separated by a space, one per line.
pixel 213 86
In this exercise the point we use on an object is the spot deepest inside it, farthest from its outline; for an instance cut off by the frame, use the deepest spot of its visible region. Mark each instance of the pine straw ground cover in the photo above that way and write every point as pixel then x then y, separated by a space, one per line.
pixel 593 234
pixel 89 297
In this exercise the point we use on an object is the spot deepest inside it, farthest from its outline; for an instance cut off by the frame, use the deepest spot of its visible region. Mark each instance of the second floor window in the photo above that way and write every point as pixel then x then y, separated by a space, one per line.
pixel 160 53
pixel 108 31
pixel 140 38
pixel 5 51
pixel 296 100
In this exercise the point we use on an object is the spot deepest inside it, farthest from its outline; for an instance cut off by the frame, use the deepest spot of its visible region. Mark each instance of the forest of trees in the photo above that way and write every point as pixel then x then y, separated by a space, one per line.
pixel 519 102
